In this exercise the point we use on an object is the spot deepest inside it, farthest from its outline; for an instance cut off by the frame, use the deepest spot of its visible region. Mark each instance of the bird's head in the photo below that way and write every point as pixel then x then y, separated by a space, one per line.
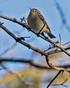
pixel 33 11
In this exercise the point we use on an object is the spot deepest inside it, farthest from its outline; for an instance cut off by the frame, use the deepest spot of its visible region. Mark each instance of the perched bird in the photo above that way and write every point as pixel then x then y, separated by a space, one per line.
pixel 37 23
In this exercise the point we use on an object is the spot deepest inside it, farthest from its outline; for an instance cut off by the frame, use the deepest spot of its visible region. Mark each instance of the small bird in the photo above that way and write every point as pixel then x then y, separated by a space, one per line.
pixel 37 23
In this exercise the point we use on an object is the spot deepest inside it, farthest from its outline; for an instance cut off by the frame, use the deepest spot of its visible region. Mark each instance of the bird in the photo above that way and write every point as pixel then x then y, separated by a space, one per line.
pixel 37 23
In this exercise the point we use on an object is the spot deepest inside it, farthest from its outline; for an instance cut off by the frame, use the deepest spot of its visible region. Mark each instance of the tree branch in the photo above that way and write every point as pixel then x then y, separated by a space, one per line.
pixel 54 79
pixel 28 28
pixel 19 40
pixel 30 62
pixel 28 46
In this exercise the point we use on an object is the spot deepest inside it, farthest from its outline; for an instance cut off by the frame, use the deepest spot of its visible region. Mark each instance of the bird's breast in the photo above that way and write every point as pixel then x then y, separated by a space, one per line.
pixel 36 24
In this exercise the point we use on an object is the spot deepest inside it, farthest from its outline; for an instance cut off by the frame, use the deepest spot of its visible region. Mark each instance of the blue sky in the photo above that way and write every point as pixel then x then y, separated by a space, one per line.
pixel 20 8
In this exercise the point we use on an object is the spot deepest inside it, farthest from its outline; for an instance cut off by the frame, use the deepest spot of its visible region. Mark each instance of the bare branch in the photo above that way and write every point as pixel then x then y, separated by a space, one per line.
pixel 23 60
pixel 28 28
pixel 30 62
pixel 54 78
pixel 19 40
pixel 8 49
pixel 29 46
pixel 62 14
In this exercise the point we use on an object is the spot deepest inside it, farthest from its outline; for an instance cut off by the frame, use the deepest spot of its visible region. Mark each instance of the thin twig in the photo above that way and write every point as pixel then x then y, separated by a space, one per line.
pixel 23 60
pixel 28 28
pixel 19 40
pixel 62 14
pixel 30 62
pixel 54 79
pixel 8 49
pixel 47 60
pixel 28 45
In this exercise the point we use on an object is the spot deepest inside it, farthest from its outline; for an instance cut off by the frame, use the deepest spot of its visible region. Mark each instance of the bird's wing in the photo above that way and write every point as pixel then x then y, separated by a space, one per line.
pixel 42 18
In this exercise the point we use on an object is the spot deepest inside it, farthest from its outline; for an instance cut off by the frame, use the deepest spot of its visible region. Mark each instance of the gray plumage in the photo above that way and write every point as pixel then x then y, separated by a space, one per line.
pixel 37 23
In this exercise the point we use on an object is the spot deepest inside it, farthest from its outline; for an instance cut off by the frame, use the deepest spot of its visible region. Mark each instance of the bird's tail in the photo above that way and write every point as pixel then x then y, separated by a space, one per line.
pixel 51 35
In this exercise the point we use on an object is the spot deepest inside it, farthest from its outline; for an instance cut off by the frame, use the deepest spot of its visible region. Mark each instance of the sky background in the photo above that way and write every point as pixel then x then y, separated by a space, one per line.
pixel 20 8
pixel 48 8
